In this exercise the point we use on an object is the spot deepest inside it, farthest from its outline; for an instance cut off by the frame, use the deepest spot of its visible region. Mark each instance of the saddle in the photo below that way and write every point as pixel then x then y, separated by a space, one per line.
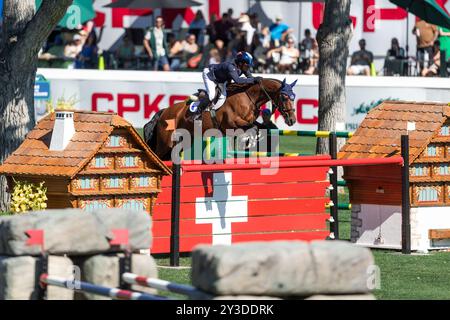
pixel 202 94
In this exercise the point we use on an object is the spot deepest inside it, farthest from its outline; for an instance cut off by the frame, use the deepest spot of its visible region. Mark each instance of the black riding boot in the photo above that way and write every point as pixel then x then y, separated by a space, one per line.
pixel 203 104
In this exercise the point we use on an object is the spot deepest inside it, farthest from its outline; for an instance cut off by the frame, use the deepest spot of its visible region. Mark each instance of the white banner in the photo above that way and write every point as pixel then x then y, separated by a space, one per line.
pixel 137 95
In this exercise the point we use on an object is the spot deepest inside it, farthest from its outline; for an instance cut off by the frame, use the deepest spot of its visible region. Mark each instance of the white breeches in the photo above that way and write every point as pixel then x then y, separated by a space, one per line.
pixel 210 87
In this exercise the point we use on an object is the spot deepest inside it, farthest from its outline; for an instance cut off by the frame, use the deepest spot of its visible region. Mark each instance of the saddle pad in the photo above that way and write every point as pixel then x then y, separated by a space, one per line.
pixel 194 106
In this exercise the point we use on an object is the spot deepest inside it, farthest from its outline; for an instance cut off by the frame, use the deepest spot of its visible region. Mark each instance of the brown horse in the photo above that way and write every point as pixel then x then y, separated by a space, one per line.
pixel 240 110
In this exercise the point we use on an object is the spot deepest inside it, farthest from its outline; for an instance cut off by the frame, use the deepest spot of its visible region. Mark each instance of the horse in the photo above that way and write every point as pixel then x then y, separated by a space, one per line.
pixel 240 111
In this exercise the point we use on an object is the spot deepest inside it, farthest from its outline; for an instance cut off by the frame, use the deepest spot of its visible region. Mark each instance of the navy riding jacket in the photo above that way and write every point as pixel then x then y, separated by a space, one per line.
pixel 227 71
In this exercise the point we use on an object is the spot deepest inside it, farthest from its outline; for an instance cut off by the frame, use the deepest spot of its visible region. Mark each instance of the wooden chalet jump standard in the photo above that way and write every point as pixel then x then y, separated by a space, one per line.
pixel 88 160
pixel 375 192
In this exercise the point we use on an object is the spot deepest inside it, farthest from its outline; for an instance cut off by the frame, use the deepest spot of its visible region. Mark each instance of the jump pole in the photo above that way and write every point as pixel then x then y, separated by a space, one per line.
pixel 230 165
pixel 159 284
pixel 406 207
pixel 175 225
pixel 114 293
pixel 334 210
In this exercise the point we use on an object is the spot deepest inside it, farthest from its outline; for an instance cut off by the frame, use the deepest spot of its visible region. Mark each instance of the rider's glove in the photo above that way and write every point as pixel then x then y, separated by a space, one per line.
pixel 258 80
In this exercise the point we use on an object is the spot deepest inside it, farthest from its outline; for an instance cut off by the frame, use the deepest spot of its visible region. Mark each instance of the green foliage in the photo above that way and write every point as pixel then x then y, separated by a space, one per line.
pixel 28 196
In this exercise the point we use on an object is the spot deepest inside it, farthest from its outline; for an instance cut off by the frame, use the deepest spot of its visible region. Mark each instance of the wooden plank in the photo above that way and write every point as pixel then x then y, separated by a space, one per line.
pixel 439 234
pixel 246 177
pixel 254 208
pixel 255 191
pixel 187 243
pixel 253 224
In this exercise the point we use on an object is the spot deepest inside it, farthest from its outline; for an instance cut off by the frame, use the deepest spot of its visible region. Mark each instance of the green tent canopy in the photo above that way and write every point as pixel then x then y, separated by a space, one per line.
pixel 72 19
pixel 427 10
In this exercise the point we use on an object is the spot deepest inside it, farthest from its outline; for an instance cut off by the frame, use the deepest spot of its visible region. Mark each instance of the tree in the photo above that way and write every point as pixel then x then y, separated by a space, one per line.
pixel 333 37
pixel 22 35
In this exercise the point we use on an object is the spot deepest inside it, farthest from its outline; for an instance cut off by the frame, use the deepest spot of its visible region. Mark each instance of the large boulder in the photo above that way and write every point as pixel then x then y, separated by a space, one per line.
pixel 19 277
pixel 282 268
pixel 74 231
pixel 104 270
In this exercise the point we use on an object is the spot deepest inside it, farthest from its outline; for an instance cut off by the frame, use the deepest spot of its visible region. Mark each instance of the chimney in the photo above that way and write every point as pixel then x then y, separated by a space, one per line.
pixel 63 130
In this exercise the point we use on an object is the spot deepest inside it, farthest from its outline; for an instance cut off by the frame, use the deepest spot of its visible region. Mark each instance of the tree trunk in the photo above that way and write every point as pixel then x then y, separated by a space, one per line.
pixel 333 36
pixel 23 34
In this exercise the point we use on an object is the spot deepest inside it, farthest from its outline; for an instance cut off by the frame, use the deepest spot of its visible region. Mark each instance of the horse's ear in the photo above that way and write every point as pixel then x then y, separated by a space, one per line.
pixel 283 83
pixel 293 83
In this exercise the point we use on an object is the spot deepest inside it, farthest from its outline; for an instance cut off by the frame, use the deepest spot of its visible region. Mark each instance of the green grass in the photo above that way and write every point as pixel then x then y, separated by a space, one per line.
pixel 413 276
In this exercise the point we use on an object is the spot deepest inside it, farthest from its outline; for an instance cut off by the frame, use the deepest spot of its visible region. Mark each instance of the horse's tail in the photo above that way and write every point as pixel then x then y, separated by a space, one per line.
pixel 150 132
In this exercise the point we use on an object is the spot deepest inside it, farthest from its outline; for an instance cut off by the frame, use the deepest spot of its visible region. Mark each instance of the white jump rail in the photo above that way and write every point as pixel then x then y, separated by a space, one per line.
pixel 159 284
pixel 114 293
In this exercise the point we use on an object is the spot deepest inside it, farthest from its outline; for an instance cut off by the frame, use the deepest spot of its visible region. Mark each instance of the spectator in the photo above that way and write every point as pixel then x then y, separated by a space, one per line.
pixel 183 51
pixel 309 41
pixel 313 61
pixel 289 56
pixel 198 26
pixel 214 56
pixel 361 61
pixel 88 58
pixel 444 39
pixel 254 21
pixel 155 43
pixel 395 59
pixel 265 37
pixel 246 27
pixel 237 44
pixel 223 29
pixel 72 49
pixel 426 34
pixel 259 53
pixel 125 54
pixel 433 70
pixel 211 29
pixel 278 31
pixel 233 21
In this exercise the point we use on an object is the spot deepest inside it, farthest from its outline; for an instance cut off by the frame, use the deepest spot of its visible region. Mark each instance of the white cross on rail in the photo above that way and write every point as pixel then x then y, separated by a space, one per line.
pixel 222 209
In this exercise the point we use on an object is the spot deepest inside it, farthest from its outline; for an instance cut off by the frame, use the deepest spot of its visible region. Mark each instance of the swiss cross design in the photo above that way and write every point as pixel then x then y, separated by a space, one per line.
pixel 222 209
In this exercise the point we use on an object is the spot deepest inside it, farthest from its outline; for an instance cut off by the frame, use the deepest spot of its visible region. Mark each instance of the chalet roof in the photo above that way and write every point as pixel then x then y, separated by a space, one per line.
pixel 379 135
pixel 92 129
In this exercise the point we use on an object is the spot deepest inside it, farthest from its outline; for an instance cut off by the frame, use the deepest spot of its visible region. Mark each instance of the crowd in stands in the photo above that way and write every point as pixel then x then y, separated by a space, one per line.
pixel 274 47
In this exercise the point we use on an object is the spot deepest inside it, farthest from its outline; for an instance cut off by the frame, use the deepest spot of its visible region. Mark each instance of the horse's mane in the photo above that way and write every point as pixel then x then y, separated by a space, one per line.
pixel 235 88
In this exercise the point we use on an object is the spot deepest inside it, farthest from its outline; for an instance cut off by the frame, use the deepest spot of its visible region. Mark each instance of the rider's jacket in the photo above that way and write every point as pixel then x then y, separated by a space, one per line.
pixel 227 71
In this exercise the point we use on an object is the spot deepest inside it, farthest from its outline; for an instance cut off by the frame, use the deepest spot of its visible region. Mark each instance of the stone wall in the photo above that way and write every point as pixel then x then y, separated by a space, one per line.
pixel 78 244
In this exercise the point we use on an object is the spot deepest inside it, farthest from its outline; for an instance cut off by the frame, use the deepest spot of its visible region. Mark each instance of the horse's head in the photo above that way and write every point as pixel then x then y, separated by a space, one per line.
pixel 285 102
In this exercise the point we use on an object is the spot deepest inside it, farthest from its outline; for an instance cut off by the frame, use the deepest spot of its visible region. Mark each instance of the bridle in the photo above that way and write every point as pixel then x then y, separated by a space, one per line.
pixel 283 98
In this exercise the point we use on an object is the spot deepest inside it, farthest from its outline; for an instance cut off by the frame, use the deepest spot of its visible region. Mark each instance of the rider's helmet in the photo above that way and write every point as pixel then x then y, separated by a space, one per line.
pixel 244 57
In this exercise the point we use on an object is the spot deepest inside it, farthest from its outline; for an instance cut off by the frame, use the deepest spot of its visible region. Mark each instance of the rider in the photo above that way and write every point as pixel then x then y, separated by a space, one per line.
pixel 222 73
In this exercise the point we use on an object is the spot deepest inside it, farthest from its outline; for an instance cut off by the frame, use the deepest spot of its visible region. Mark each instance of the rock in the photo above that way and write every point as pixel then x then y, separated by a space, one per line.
pixel 19 277
pixel 104 270
pixel 73 231
pixel 138 223
pixel 281 268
